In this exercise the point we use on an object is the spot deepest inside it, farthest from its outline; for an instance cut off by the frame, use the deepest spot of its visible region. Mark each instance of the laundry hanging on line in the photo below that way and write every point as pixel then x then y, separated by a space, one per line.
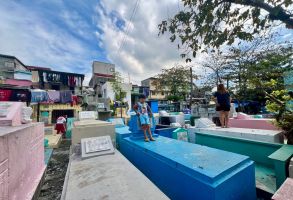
pixel 38 96
pixel 54 96
pixel 55 77
pixel 65 96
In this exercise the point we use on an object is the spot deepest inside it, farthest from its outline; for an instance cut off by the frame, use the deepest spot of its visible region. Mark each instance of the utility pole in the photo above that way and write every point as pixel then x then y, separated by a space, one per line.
pixel 38 112
pixel 120 103
pixel 191 88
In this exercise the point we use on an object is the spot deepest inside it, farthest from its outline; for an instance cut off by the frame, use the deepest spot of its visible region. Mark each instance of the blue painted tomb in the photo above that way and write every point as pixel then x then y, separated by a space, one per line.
pixel 190 171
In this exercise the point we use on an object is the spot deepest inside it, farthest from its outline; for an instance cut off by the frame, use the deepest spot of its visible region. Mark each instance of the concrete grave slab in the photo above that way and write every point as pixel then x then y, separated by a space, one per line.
pixel 92 128
pixel 188 171
pixel 107 177
pixel 90 123
pixel 11 113
pixel 285 192
pixel 54 140
pixel 204 123
pixel 243 120
pixel 96 146
pixel 272 136
pixel 21 160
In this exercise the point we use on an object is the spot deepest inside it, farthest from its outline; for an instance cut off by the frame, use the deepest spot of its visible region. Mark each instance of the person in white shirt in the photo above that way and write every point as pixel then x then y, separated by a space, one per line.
pixel 60 126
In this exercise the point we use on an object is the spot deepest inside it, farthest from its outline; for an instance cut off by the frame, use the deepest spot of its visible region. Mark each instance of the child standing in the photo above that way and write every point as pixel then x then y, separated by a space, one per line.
pixel 61 126
pixel 143 110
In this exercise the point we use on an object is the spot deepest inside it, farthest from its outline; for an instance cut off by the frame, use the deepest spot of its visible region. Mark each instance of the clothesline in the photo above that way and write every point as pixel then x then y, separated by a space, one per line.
pixel 71 80
pixel 38 96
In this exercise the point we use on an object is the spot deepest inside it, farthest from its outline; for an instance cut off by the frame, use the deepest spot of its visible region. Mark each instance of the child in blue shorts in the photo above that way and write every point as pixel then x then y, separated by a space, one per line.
pixel 143 111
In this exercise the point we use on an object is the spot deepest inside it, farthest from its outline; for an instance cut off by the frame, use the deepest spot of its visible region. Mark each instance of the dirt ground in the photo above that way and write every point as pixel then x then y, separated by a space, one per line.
pixel 56 171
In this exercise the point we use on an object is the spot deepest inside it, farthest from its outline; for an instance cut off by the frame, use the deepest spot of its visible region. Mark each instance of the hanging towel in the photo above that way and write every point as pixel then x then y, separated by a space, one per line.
pixel 35 77
pixel 45 77
pixel 20 95
pixel 74 100
pixel 39 96
pixel 54 96
pixel 65 96
pixel 5 95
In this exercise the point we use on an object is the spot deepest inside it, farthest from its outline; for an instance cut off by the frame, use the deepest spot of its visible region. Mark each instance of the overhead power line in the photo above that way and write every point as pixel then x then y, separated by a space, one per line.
pixel 123 41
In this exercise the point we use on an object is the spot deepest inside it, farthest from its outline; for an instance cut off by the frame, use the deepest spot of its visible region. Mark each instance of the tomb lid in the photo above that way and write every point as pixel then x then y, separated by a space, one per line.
pixel 90 123
pixel 283 154
pixel 10 113
pixel 204 123
pixel 285 191
pixel 5 130
pixel 238 130
pixel 202 162
pixel 118 122
pixel 178 130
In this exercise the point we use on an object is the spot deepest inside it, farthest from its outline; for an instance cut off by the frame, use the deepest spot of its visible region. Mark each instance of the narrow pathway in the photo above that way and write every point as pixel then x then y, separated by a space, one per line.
pixel 56 171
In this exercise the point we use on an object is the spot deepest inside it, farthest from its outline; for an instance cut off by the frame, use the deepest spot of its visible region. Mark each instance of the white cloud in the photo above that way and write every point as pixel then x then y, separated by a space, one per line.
pixel 144 53
pixel 63 38
pixel 37 40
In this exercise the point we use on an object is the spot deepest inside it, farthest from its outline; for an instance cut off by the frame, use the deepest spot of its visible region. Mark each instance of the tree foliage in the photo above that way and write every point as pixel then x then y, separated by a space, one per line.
pixel 209 24
pixel 247 66
pixel 116 86
pixel 175 81
pixel 277 102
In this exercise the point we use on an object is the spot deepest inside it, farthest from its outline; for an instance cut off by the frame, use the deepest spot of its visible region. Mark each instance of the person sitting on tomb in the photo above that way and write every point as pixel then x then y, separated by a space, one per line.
pixel 60 126
pixel 144 112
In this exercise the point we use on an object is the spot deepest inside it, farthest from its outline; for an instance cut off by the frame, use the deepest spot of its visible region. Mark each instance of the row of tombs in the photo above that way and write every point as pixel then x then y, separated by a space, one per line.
pixel 110 160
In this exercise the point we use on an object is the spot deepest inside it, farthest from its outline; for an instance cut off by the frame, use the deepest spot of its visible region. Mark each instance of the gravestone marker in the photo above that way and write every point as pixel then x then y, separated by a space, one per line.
pixel 87 115
pixel 180 134
pixel 204 123
pixel 100 105
pixel 211 110
pixel 96 146
pixel 118 122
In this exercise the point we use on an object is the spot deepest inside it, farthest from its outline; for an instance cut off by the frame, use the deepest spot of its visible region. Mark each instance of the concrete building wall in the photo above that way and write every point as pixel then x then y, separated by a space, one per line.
pixel 101 73
pixel 154 92
pixel 103 68
pixel 157 94
pixel 8 65
pixel 108 92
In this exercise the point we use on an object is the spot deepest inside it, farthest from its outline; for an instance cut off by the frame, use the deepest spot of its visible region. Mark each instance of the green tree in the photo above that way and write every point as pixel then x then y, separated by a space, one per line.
pixel 260 67
pixel 176 81
pixel 208 24
pixel 278 102
pixel 116 86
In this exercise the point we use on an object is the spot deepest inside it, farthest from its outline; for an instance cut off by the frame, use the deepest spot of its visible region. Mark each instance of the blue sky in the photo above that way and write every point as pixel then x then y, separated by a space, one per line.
pixel 67 35
pixel 57 34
